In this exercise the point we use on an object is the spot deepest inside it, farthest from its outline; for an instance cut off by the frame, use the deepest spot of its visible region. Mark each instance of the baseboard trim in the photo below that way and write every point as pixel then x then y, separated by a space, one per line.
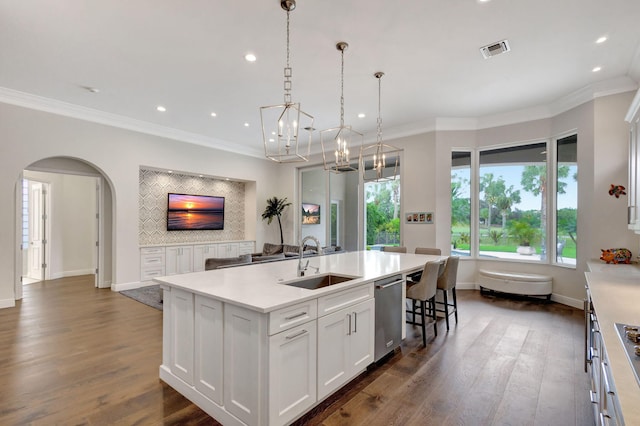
pixel 131 286
pixel 569 301
pixel 564 300
pixel 75 273
pixel 7 303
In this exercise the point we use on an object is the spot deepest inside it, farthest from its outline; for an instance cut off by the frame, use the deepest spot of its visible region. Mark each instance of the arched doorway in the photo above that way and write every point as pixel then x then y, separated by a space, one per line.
pixel 69 174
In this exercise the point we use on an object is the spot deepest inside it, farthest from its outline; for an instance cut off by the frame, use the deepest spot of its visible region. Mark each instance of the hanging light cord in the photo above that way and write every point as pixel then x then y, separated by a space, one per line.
pixel 342 90
pixel 379 110
pixel 287 71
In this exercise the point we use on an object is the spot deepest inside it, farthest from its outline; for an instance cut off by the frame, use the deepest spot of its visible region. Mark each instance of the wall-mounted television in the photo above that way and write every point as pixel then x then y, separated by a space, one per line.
pixel 194 212
pixel 310 214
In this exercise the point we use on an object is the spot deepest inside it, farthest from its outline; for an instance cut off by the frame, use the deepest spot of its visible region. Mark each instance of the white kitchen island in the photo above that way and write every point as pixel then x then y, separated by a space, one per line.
pixel 251 350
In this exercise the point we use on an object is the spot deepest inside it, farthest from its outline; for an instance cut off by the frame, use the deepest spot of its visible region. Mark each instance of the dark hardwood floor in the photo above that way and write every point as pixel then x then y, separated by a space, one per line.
pixel 72 354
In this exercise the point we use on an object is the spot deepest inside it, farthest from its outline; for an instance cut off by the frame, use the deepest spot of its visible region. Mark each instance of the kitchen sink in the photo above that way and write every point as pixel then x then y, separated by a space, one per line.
pixel 315 282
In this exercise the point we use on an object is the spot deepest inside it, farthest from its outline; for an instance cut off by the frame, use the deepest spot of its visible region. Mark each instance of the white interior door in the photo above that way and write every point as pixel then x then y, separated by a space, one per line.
pixel 35 254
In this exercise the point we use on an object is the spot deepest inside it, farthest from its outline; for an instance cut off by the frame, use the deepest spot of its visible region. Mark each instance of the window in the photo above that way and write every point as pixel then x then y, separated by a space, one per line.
pixel 461 203
pixel 382 220
pixel 511 211
pixel 567 200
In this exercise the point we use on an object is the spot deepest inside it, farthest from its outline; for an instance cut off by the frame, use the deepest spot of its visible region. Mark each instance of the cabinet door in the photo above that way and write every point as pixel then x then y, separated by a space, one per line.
pixel 201 253
pixel 292 373
pixel 179 260
pixel 171 260
pixel 362 340
pixel 244 351
pixel 345 345
pixel 208 348
pixel 182 319
pixel 185 262
pixel 333 351
pixel 228 250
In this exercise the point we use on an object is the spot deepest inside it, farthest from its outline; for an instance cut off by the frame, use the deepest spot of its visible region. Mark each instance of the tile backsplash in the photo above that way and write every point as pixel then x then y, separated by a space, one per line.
pixel 154 187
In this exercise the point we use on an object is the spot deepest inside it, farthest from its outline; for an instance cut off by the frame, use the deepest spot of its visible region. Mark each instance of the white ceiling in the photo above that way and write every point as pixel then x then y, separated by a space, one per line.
pixel 189 57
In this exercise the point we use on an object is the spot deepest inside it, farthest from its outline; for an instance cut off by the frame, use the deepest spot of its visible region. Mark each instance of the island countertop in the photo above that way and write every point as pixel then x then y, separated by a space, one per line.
pixel 260 287
pixel 615 292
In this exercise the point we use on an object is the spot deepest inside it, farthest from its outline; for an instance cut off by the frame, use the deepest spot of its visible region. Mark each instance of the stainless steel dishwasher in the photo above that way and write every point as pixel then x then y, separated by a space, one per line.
pixel 389 321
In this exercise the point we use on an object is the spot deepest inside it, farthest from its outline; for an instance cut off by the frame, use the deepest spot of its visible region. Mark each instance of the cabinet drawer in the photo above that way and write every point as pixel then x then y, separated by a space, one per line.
pixel 333 302
pixel 286 318
pixel 152 261
pixel 151 250
pixel 245 248
pixel 149 274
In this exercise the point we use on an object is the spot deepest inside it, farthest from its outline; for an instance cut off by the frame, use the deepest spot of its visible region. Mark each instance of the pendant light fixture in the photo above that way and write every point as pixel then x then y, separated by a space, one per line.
pixel 286 129
pixel 337 142
pixel 379 162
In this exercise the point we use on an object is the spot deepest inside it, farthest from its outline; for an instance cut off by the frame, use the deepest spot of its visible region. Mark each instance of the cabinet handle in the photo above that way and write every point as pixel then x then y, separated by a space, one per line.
pixel 298 334
pixel 355 322
pixel 301 314
pixel 349 333
pixel 605 419
pixel 594 352
pixel 605 378
pixel 593 397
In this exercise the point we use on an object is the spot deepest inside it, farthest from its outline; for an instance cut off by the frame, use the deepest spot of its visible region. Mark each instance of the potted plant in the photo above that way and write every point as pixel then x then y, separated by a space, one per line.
pixel 275 207
pixel 525 235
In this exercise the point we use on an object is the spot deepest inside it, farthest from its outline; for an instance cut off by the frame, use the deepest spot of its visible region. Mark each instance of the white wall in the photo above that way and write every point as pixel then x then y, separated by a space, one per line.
pixel 27 136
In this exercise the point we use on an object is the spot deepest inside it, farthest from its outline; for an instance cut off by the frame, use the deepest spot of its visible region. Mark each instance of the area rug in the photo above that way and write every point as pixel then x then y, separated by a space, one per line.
pixel 150 295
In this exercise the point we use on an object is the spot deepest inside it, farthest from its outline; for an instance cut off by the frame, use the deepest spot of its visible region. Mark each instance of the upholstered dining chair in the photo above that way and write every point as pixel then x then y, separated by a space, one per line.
pixel 428 250
pixel 421 293
pixel 392 249
pixel 447 282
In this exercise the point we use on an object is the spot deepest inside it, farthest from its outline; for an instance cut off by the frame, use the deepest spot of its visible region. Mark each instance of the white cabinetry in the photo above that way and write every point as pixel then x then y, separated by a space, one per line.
pixel 182 343
pixel 292 373
pixel 265 368
pixel 159 261
pixel 208 350
pixel 603 396
pixel 179 260
pixel 345 345
pixel 151 263
pixel 201 253
pixel 228 250
pixel 633 188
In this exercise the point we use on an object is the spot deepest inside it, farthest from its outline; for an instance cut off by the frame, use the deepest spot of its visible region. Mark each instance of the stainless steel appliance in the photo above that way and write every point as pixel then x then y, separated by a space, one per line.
pixel 389 321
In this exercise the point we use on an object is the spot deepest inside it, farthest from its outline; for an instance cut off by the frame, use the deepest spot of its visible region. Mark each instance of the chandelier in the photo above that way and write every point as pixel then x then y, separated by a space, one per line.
pixel 379 162
pixel 286 129
pixel 337 141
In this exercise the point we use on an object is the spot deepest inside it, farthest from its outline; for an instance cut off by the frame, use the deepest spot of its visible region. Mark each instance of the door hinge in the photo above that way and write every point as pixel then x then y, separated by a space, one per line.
pixel 97 243
pixel 44 265
pixel 44 242
pixel 97 270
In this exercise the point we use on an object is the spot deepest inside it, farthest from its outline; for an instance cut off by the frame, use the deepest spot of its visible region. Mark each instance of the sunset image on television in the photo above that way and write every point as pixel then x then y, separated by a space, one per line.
pixel 195 212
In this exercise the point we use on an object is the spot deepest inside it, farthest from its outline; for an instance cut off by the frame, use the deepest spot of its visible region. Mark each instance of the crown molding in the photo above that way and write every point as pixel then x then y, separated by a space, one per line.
pixel 40 103
pixel 586 94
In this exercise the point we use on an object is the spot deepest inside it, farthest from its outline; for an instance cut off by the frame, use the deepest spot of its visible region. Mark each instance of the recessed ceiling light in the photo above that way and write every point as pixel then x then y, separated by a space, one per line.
pixel 272 140
pixel 170 171
pixel 200 175
pixel 246 124
pixel 250 57
pixel 91 89
pixel 213 114
pixel 484 1
pixel 601 39
pixel 161 108
pixel 362 115
pixel 596 69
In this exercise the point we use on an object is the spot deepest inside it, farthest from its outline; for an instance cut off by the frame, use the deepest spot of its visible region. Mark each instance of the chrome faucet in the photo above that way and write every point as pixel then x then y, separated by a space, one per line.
pixel 301 267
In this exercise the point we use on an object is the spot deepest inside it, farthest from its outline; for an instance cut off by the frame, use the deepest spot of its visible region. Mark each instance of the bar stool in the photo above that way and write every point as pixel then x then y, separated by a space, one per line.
pixel 428 250
pixel 393 249
pixel 447 281
pixel 425 291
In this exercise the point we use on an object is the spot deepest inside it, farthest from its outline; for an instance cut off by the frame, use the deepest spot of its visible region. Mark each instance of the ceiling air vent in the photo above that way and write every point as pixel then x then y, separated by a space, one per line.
pixel 494 49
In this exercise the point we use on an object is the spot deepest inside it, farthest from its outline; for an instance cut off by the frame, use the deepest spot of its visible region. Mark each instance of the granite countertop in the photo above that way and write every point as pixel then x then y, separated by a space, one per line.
pixel 615 293
pixel 259 286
